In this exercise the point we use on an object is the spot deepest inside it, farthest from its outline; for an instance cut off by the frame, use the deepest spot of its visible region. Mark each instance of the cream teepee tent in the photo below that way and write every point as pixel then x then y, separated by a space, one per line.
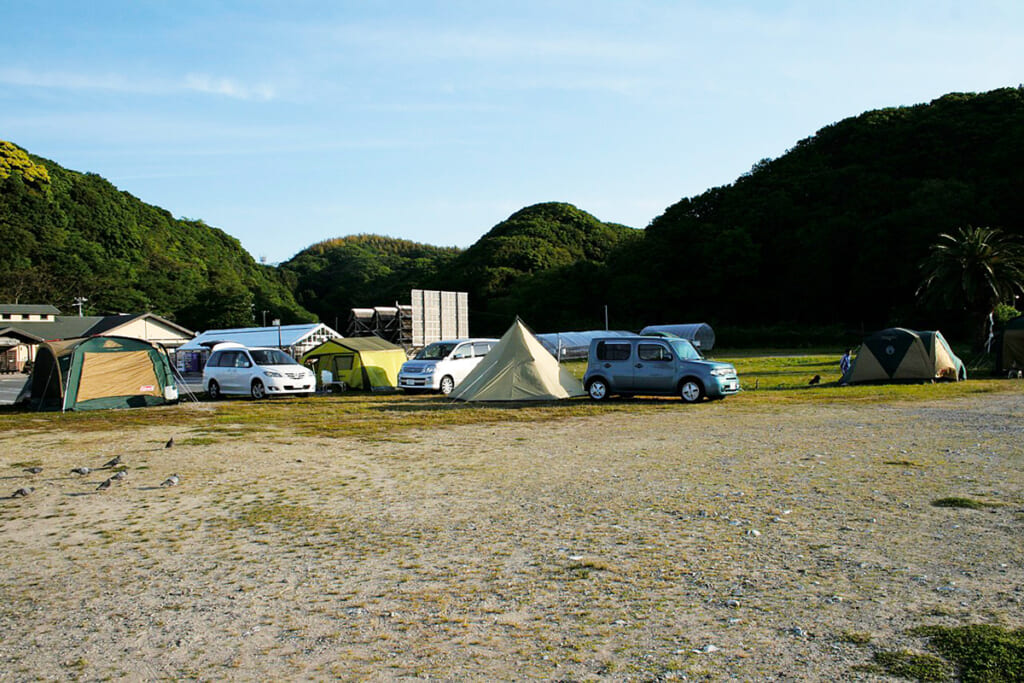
pixel 518 368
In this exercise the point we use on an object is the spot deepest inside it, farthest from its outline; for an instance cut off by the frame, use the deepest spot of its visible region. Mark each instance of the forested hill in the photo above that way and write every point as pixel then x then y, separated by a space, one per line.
pixel 68 234
pixel 333 276
pixel 836 229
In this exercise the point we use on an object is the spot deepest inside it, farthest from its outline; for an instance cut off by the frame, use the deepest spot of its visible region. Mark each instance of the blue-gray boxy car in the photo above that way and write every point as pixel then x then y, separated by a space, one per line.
pixel 659 366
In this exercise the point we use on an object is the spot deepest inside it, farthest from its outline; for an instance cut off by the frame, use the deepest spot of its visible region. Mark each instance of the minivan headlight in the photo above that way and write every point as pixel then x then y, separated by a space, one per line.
pixel 271 373
pixel 723 372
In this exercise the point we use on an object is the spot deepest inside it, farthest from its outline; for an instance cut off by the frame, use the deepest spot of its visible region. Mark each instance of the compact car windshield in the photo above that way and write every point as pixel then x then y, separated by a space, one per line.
pixel 435 351
pixel 272 357
pixel 685 350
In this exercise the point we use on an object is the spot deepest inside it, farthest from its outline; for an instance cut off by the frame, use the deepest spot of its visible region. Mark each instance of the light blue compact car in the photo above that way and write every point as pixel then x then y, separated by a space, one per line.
pixel 658 366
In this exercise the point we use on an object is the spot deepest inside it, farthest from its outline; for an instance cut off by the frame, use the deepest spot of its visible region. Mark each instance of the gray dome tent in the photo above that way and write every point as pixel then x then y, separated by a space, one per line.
pixel 700 334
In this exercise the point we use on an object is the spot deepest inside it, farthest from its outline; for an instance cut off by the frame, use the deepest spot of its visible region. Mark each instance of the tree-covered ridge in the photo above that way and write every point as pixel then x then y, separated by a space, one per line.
pixel 84 237
pixel 13 159
pixel 836 229
pixel 334 276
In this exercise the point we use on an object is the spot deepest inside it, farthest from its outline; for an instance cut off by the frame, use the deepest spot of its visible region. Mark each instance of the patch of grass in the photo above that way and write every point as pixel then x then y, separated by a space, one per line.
pixel 855 637
pixel 916 667
pixel 902 463
pixel 981 652
pixel 959 502
pixel 27 463
pixel 199 441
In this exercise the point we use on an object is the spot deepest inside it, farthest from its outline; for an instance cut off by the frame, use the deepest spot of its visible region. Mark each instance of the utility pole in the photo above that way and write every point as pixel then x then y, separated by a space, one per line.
pixel 277 321
pixel 265 318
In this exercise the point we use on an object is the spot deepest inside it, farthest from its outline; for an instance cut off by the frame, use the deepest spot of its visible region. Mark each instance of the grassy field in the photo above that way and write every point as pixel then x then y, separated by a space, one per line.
pixel 790 531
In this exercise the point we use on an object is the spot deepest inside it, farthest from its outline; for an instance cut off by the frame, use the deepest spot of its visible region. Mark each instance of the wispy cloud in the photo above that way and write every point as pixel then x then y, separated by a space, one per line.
pixel 120 83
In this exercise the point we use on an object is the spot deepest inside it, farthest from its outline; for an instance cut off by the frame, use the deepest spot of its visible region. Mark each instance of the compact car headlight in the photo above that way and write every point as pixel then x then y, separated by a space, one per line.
pixel 723 372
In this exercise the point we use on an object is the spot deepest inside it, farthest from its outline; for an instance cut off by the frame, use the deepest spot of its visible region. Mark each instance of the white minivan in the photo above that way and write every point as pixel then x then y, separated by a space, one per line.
pixel 442 365
pixel 257 372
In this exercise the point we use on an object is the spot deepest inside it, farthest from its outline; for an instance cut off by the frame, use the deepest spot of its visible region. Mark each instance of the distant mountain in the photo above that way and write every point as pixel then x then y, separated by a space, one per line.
pixel 542 263
pixel 334 276
pixel 831 233
pixel 68 234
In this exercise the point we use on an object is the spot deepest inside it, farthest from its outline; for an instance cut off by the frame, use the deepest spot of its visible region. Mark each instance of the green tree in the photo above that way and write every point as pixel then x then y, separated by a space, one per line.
pixel 974 269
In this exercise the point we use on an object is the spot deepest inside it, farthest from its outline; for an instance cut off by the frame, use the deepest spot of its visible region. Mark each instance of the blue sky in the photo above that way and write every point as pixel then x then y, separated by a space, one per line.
pixel 287 123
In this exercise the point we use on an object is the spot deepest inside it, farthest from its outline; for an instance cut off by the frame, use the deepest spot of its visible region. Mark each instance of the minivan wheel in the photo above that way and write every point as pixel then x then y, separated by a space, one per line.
pixel 258 390
pixel 691 390
pixel 213 390
pixel 597 389
pixel 447 385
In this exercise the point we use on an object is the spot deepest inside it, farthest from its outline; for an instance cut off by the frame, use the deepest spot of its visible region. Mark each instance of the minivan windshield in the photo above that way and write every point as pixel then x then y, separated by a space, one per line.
pixel 271 357
pixel 435 351
pixel 684 349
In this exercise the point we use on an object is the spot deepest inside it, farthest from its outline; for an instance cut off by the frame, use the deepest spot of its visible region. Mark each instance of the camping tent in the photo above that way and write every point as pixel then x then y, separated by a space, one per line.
pixel 1010 346
pixel 518 368
pixel 700 334
pixel 369 363
pixel 90 373
pixel 898 354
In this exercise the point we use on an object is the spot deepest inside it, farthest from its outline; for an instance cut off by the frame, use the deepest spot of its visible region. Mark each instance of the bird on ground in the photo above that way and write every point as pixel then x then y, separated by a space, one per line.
pixel 171 481
pixel 815 380
pixel 22 492
pixel 105 484
pixel 118 476
pixel 81 470
pixel 170 442
pixel 114 462
pixel 34 470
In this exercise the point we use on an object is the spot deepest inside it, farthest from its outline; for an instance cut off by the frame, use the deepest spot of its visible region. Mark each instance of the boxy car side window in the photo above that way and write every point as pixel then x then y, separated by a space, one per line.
pixel 481 348
pixel 612 351
pixel 653 352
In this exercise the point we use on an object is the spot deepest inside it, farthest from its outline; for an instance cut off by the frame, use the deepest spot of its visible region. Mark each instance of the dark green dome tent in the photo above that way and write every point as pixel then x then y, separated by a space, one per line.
pixel 92 373
pixel 902 355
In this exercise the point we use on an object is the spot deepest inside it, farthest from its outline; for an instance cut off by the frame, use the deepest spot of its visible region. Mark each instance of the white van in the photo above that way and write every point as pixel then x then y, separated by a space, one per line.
pixel 442 365
pixel 258 372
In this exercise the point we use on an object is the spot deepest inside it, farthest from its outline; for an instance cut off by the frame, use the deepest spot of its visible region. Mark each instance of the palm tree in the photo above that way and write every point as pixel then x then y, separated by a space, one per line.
pixel 974 269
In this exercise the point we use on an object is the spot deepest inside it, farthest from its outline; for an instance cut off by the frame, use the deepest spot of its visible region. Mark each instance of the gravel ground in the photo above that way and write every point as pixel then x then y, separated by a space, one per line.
pixel 692 542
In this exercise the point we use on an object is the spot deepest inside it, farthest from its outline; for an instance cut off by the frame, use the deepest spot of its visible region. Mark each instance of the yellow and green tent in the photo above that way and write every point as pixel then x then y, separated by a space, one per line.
pixel 367 363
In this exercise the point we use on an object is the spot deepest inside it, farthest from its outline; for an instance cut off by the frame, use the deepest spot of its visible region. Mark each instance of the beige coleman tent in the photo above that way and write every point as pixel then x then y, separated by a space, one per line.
pixel 898 354
pixel 518 368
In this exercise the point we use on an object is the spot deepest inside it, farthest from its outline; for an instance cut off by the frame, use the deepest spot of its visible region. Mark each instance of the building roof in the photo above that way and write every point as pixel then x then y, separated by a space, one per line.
pixel 111 322
pixel 72 326
pixel 29 309
pixel 63 327
pixel 290 335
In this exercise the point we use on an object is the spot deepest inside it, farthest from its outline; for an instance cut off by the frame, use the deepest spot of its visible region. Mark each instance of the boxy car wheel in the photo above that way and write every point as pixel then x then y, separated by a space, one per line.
pixel 258 390
pixel 691 390
pixel 597 389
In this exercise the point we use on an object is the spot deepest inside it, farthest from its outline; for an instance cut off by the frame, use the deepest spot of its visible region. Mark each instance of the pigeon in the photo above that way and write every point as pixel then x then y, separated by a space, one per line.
pixel 118 476
pixel 170 442
pixel 81 470
pixel 22 492
pixel 815 380
pixel 170 481
pixel 112 463
pixel 34 470
pixel 105 484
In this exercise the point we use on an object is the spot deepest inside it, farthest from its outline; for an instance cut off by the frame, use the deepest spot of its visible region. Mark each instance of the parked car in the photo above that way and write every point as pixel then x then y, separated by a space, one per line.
pixel 258 372
pixel 440 366
pixel 659 366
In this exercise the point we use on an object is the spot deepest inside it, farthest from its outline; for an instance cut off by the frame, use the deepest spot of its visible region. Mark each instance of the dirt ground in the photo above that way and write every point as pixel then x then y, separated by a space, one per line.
pixel 709 542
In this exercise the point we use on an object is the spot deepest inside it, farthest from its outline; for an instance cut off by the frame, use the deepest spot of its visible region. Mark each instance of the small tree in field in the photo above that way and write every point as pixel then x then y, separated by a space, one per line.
pixel 974 269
